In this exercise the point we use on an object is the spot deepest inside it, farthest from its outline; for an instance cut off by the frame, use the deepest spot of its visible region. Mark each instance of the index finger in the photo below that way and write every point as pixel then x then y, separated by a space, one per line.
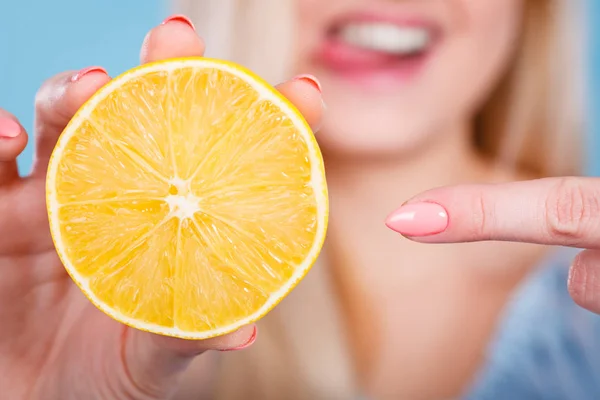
pixel 553 211
pixel 176 37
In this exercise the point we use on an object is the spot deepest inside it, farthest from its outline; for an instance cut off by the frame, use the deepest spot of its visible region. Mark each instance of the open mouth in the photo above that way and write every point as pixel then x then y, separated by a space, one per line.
pixel 386 38
pixel 371 48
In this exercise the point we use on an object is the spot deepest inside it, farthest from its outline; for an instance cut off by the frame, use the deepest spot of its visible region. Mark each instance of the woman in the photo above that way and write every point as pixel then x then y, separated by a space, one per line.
pixel 420 94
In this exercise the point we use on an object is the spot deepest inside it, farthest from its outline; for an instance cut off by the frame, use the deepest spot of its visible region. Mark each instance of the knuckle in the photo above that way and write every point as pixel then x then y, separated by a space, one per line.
pixel 584 280
pixel 569 208
pixel 577 280
pixel 483 216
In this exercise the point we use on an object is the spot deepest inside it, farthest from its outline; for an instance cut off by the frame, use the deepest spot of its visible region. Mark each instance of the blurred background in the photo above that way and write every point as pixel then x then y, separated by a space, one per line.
pixel 40 38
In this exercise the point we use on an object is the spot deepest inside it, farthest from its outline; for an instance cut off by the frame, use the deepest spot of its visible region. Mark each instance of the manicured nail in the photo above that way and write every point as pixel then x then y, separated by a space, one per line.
pixel 311 80
pixel 180 18
pixel 86 71
pixel 418 219
pixel 249 343
pixel 9 128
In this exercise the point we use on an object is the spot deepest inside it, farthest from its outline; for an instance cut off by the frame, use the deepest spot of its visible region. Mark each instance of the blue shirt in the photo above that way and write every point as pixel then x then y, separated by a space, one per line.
pixel 546 347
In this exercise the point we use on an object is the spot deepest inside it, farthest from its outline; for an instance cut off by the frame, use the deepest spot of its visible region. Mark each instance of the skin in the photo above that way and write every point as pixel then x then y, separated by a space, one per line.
pixel 477 43
pixel 408 308
pixel 54 343
pixel 416 300
pixel 557 211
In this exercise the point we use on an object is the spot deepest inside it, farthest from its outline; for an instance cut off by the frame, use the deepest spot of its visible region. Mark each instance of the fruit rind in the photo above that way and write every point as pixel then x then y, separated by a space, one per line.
pixel 266 92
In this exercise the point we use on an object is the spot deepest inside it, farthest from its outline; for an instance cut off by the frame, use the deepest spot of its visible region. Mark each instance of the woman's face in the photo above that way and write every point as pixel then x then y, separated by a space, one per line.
pixel 400 74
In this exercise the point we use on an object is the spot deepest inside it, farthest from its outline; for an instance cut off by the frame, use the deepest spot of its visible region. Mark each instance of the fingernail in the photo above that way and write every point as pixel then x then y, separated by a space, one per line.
pixel 249 343
pixel 86 71
pixel 179 18
pixel 418 219
pixel 9 128
pixel 311 80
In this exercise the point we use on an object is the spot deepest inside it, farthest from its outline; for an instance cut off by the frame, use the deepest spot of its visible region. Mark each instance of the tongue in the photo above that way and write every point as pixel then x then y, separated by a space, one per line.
pixel 342 55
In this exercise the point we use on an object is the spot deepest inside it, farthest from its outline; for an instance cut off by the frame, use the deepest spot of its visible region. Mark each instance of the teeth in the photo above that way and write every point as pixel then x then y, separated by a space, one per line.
pixel 386 37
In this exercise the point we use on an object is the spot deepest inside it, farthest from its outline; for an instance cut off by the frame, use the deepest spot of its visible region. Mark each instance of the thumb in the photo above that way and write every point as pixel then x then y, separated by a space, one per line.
pixel 155 364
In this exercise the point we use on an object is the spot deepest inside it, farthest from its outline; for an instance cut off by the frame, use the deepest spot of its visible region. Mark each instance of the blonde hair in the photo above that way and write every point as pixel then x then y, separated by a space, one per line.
pixel 533 121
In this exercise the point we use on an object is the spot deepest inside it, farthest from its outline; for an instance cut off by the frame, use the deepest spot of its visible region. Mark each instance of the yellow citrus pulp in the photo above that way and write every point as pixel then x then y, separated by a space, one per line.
pixel 187 197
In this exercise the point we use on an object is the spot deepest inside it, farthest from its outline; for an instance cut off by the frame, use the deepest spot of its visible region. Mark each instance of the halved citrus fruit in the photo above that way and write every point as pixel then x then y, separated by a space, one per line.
pixel 187 197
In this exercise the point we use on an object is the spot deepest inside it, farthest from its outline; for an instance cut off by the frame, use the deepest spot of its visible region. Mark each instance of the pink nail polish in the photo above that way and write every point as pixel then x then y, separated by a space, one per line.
pixel 86 71
pixel 9 128
pixel 418 219
pixel 249 343
pixel 179 18
pixel 311 80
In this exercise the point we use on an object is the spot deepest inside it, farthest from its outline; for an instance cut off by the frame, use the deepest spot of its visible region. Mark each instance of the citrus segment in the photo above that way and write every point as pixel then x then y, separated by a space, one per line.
pixel 99 230
pixel 187 197
pixel 91 160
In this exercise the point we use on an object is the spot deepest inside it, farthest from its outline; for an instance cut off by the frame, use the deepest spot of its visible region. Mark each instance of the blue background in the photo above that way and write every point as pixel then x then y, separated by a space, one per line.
pixel 593 89
pixel 39 38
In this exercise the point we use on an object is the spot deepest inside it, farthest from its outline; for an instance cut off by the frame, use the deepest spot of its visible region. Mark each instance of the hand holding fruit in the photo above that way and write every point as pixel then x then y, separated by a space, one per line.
pixel 55 343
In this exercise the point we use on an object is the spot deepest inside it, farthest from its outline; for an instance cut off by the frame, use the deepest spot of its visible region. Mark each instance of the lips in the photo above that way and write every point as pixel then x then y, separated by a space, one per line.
pixel 369 47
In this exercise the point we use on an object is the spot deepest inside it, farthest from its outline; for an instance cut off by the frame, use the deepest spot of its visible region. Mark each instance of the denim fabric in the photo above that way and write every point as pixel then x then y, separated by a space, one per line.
pixel 546 346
